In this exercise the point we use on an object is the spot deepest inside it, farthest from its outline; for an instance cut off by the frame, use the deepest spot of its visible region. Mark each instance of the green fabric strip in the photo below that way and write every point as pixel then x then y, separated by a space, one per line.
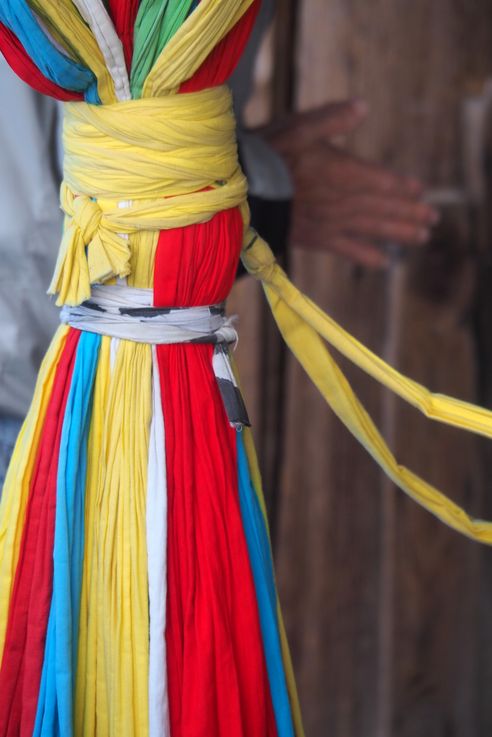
pixel 157 22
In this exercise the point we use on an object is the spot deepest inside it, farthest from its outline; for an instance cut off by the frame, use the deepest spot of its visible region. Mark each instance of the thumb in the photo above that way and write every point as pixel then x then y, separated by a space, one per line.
pixel 334 119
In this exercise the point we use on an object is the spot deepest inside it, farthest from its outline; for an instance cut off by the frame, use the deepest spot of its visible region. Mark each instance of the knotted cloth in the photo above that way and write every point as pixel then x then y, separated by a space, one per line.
pixel 173 162
pixel 174 158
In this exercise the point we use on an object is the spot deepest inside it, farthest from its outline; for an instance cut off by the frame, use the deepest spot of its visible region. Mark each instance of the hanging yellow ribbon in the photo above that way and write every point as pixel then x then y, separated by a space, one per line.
pixel 304 326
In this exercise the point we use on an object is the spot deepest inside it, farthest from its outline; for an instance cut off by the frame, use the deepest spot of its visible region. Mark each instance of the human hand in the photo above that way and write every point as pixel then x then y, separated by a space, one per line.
pixel 343 203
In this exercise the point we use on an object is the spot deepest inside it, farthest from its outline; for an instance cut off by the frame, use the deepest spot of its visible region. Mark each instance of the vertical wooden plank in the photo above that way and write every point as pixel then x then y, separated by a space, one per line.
pixel 328 549
pixel 284 72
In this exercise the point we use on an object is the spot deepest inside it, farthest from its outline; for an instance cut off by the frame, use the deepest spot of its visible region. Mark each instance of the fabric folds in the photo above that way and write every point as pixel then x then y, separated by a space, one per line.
pixel 136 583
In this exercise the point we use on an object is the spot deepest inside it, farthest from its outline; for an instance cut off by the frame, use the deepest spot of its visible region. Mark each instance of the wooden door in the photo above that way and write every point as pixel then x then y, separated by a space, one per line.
pixel 387 610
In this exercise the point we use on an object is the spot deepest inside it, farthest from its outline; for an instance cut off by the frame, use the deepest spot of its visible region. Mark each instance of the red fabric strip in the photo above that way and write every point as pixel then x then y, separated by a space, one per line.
pixel 218 683
pixel 24 67
pixel 124 13
pixel 220 64
pixel 23 655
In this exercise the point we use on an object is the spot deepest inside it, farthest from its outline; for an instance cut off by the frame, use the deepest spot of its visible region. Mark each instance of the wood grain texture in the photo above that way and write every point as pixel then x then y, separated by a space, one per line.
pixel 388 611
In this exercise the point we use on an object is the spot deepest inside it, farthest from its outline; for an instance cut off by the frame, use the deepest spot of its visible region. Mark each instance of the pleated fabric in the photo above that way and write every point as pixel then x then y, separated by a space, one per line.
pixel 215 654
pixel 137 590
pixel 35 44
pixel 31 595
pixel 159 725
pixel 55 701
pixel 123 13
pixel 26 69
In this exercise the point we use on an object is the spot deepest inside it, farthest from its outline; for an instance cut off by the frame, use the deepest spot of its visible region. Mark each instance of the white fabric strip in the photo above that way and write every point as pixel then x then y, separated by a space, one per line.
pixel 222 367
pixel 157 564
pixel 96 16
pixel 127 313
pixel 113 352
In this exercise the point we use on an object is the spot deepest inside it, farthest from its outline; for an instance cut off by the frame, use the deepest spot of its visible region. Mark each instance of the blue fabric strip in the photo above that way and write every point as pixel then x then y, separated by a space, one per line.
pixel 55 703
pixel 19 18
pixel 264 578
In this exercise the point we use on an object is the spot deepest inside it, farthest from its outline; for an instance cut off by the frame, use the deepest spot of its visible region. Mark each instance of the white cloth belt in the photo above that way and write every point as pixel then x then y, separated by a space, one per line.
pixel 127 313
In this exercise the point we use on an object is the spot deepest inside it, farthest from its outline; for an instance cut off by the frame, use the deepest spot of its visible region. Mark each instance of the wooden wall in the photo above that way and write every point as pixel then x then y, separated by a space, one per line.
pixel 388 612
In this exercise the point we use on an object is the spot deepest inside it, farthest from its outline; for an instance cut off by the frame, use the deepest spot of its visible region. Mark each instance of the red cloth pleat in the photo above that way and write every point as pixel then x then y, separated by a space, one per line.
pixel 22 64
pixel 124 13
pixel 217 678
pixel 220 64
pixel 23 655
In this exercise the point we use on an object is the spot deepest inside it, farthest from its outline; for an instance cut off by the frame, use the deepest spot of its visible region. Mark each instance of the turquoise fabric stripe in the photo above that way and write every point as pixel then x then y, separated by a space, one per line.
pixel 19 18
pixel 55 703
pixel 263 574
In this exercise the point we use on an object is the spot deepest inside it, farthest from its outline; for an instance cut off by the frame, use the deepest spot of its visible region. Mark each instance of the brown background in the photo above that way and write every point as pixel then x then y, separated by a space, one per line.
pixel 389 613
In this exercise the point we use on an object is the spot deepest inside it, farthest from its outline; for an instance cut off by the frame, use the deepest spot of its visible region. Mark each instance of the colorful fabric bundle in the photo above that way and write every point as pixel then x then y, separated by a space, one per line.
pixel 137 592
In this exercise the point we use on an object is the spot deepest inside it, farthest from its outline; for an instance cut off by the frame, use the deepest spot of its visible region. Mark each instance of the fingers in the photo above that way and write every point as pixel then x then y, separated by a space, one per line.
pixel 396 208
pixel 406 223
pixel 360 252
pixel 352 174
pixel 343 208
pixel 301 130
pixel 357 250
pixel 388 230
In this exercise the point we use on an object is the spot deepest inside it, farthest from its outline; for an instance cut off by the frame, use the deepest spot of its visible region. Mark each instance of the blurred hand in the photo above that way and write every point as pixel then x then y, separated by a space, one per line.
pixel 345 204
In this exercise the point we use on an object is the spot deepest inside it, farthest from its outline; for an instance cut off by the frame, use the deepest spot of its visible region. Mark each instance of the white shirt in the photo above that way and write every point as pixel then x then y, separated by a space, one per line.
pixel 30 231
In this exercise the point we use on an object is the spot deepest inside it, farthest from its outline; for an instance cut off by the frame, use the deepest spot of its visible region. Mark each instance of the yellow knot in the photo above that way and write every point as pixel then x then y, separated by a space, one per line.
pixel 257 256
pixel 87 216
pixel 90 251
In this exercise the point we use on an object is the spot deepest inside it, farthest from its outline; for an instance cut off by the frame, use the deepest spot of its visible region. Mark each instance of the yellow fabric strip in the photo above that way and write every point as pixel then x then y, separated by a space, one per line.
pixel 143 247
pixel 67 25
pixel 286 656
pixel 202 31
pixel 17 484
pixel 303 325
pixel 113 650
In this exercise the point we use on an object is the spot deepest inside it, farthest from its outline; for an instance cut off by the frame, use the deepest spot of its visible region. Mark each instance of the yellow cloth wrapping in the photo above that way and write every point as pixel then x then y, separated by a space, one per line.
pixel 158 153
